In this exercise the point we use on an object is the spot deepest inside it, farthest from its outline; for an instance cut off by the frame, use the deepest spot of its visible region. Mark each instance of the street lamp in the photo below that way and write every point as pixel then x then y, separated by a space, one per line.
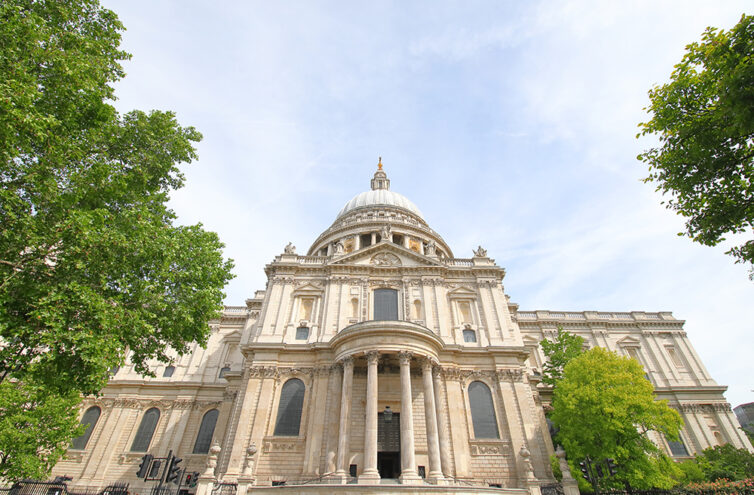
pixel 387 414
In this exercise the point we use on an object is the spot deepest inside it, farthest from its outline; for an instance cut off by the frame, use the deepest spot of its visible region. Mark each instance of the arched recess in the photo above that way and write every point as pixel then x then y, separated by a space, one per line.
pixel 90 418
pixel 206 431
pixel 146 430
pixel 482 411
pixel 290 407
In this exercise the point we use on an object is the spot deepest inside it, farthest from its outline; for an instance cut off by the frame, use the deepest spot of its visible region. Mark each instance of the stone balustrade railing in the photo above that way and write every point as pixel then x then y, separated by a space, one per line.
pixel 593 315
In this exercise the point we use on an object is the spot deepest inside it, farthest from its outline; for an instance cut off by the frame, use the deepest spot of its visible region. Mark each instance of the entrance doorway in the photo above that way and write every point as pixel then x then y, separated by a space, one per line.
pixel 389 445
pixel 389 464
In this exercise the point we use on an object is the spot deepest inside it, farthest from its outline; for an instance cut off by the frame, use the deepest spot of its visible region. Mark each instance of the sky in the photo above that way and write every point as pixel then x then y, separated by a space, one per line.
pixel 511 125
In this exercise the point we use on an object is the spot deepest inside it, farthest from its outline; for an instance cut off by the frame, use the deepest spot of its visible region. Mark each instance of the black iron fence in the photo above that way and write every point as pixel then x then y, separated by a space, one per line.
pixel 61 488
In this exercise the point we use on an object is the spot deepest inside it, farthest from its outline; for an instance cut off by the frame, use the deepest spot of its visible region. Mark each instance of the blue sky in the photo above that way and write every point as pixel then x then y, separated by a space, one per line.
pixel 510 124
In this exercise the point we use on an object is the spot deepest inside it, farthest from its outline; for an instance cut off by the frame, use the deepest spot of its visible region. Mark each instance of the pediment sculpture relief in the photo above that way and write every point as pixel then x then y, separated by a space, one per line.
pixel 385 259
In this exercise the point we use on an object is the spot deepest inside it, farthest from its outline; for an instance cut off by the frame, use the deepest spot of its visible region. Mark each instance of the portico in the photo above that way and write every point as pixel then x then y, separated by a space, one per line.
pixel 417 347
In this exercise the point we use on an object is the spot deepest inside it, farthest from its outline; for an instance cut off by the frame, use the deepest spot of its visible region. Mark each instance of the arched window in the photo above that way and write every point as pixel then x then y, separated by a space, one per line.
pixel 289 409
pixel 206 430
pixel 146 430
pixel 385 304
pixel 90 419
pixel 482 411
pixel 469 335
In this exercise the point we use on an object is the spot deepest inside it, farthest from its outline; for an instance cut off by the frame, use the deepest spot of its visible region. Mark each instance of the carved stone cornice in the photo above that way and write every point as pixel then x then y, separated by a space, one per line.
pixel 510 375
pixel 145 403
pixel 263 372
pixel 702 407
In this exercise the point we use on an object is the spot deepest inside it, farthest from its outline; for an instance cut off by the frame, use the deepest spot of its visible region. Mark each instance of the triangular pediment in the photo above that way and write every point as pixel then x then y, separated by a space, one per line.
pixel 308 288
pixel 629 341
pixel 234 336
pixel 386 255
pixel 462 291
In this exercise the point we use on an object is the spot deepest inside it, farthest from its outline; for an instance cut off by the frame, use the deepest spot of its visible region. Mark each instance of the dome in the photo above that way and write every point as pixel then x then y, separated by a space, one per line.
pixel 380 197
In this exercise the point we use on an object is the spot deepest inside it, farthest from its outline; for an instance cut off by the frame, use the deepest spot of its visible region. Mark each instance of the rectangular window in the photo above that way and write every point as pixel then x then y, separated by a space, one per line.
pixel 302 333
pixel 678 449
pixel 385 304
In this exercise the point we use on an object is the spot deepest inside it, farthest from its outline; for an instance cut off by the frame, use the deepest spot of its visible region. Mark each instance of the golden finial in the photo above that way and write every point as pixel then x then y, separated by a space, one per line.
pixel 379 164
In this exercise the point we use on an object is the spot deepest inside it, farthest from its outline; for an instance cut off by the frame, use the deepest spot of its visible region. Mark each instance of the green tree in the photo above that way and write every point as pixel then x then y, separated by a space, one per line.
pixel 35 429
pixel 92 266
pixel 604 408
pixel 705 121
pixel 559 353
pixel 726 462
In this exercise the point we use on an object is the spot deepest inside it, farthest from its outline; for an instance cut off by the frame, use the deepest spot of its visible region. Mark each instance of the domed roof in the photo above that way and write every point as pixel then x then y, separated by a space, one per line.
pixel 380 195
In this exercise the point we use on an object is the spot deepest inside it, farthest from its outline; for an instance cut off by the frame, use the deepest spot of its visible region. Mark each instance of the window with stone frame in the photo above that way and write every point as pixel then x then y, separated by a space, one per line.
pixel 290 406
pixel 385 304
pixel 90 418
pixel 469 336
pixel 146 430
pixel 677 448
pixel 206 431
pixel 482 407
pixel 302 333
pixel 169 370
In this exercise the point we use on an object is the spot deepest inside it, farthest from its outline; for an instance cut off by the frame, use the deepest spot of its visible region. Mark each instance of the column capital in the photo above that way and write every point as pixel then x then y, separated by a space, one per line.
pixel 405 357
pixel 373 357
pixel 427 363
pixel 346 361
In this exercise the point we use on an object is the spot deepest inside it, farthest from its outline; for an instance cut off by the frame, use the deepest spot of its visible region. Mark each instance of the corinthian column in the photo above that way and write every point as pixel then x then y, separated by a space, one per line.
pixel 442 428
pixel 345 420
pixel 408 462
pixel 370 473
pixel 430 419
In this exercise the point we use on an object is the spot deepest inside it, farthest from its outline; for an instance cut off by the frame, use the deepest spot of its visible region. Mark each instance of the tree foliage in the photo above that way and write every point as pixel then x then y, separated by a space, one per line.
pixel 605 408
pixel 726 462
pixel 35 429
pixel 558 354
pixel 92 265
pixel 705 121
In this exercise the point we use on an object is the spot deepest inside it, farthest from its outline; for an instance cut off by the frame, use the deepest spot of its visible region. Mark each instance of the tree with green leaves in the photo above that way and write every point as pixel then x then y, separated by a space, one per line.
pixel 726 462
pixel 92 265
pixel 35 429
pixel 605 408
pixel 558 353
pixel 705 121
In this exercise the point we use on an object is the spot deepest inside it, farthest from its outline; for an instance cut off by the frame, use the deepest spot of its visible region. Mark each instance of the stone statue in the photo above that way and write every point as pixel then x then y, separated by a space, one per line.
pixel 431 248
pixel 385 233
pixel 290 248
pixel 338 247
pixel 480 252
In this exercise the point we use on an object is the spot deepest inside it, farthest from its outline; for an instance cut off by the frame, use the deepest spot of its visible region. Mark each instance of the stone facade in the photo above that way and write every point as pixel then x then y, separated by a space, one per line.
pixel 379 320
